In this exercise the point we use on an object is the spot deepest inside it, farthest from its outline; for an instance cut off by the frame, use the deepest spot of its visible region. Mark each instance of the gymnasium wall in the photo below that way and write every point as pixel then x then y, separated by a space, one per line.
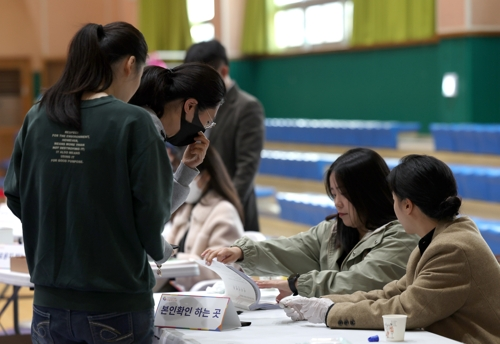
pixel 401 83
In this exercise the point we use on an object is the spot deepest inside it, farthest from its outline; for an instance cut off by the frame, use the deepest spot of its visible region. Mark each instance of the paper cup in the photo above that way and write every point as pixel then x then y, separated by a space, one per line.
pixel 394 326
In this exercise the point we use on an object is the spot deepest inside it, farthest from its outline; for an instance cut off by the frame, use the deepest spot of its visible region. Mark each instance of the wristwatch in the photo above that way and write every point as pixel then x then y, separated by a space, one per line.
pixel 291 283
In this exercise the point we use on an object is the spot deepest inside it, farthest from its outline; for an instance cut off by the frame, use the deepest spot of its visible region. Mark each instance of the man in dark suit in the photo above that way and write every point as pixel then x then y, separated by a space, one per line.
pixel 239 133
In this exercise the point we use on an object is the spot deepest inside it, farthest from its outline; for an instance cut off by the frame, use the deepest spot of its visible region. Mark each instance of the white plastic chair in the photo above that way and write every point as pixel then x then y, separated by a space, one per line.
pixel 254 235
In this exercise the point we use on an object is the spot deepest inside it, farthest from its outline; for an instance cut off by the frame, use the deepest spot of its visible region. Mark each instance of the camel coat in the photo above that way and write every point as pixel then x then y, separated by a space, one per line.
pixel 453 290
pixel 212 223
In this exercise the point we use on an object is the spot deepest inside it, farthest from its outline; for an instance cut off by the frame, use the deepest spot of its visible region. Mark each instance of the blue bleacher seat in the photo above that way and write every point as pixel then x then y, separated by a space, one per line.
pixel 442 134
pixel 300 165
pixel 304 208
pixel 493 185
pixel 466 137
pixel 488 139
pixel 381 134
pixel 490 230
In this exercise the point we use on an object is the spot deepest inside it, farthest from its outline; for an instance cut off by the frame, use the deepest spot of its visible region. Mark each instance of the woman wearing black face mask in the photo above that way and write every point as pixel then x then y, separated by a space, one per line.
pixel 183 102
pixel 185 99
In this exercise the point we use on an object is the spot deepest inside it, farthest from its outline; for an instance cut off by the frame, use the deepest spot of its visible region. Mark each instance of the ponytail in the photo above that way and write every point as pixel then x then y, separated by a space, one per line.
pixel 152 91
pixel 448 208
pixel 92 52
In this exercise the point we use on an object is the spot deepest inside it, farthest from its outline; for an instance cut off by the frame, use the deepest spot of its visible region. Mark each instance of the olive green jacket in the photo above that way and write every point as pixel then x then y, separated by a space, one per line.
pixel 376 260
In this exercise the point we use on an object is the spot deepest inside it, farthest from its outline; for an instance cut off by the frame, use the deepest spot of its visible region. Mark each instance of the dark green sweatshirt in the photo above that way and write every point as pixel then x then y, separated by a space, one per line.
pixel 93 204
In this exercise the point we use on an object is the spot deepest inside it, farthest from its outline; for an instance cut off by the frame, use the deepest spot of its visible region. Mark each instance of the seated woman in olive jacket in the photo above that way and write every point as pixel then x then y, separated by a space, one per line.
pixel 452 284
pixel 362 247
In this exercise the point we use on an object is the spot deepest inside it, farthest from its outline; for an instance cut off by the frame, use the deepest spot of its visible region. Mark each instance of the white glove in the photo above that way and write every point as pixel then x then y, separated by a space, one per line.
pixel 291 312
pixel 311 309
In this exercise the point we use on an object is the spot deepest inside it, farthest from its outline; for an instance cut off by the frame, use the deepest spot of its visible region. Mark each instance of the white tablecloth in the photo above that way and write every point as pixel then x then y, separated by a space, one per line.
pixel 274 327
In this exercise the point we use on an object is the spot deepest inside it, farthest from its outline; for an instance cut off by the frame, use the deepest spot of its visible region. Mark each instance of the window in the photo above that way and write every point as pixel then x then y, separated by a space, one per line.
pixel 309 24
pixel 201 15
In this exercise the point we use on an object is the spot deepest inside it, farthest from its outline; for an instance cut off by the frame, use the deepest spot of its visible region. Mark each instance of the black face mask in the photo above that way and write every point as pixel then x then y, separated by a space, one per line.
pixel 187 132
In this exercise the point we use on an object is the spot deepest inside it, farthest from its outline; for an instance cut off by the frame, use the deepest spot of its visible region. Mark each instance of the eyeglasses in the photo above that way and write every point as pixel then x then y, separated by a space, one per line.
pixel 212 124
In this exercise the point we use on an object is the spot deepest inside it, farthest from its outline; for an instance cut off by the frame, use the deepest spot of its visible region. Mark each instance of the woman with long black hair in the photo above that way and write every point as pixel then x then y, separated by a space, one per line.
pixel 211 218
pixel 362 247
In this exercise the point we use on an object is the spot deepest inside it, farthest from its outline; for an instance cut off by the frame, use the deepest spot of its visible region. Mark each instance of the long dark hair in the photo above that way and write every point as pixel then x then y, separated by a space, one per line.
pixel 190 80
pixel 220 181
pixel 428 183
pixel 361 175
pixel 92 52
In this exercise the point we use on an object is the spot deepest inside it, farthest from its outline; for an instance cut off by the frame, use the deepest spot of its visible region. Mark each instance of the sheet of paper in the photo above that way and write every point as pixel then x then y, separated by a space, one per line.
pixel 240 287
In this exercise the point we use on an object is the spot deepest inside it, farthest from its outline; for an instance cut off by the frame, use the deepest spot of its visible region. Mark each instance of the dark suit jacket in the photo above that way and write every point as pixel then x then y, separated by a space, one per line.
pixel 239 138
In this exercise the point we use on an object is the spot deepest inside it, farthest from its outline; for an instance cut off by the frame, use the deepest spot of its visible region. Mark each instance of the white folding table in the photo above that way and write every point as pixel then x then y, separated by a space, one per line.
pixel 170 269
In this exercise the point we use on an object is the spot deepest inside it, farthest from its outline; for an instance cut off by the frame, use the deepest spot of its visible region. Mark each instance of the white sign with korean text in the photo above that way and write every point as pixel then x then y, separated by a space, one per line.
pixel 210 313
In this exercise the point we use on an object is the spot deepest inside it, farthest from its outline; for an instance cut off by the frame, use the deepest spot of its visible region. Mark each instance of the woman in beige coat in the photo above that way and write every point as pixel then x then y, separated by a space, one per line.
pixel 211 218
pixel 451 286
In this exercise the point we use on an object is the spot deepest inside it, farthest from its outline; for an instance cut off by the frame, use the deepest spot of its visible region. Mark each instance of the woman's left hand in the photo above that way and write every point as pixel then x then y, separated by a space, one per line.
pixel 281 285
pixel 195 152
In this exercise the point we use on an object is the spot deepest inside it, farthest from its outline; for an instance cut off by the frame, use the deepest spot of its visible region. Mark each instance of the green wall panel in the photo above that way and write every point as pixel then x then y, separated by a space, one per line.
pixel 485 91
pixel 455 56
pixel 388 84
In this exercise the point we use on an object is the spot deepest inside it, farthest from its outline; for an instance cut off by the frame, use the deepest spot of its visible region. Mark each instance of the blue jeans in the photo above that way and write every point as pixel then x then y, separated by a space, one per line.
pixel 54 325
